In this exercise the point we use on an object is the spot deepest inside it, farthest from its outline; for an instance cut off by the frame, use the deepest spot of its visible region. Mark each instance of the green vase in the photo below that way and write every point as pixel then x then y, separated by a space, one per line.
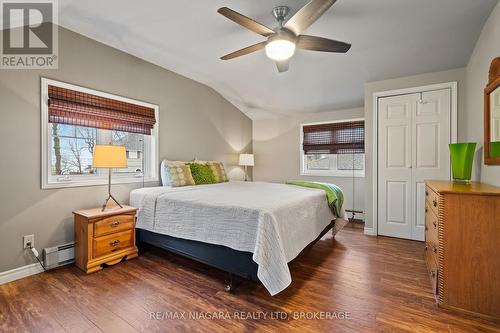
pixel 462 157
pixel 495 149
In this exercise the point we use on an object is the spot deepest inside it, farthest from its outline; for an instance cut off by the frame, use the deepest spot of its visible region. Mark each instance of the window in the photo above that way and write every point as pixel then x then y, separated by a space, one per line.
pixel 333 149
pixel 68 140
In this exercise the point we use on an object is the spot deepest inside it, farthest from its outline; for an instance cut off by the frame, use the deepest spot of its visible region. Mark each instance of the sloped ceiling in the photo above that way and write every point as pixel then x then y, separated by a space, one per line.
pixel 390 38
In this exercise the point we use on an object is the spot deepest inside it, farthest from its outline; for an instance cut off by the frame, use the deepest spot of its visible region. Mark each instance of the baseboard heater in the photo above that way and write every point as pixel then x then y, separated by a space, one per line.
pixel 354 212
pixel 58 256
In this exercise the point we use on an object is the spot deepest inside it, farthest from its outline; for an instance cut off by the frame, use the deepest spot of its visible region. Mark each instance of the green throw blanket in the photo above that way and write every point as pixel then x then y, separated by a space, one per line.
pixel 334 194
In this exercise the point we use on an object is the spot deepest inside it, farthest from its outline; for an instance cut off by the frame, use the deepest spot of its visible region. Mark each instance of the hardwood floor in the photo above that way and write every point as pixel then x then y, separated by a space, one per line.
pixel 381 283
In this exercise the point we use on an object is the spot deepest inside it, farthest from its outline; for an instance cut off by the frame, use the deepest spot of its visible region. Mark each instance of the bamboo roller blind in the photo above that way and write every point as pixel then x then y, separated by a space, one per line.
pixel 335 138
pixel 72 107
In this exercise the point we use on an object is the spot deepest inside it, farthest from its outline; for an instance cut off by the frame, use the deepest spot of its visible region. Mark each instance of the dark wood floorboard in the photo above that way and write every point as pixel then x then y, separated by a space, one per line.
pixel 382 283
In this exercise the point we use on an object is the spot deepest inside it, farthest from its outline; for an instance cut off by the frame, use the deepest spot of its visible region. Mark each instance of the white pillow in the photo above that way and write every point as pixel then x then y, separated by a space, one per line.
pixel 165 177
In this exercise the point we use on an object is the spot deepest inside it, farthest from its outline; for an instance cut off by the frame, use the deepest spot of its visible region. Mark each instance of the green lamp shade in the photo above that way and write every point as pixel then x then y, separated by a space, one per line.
pixel 495 149
pixel 462 157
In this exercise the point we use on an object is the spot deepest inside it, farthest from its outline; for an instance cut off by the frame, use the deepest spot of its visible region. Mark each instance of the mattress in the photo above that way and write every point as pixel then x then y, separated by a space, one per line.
pixel 273 221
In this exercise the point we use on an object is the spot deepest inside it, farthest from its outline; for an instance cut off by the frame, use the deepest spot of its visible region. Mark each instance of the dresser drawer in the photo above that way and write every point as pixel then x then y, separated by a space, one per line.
pixel 433 199
pixel 108 244
pixel 431 229
pixel 432 268
pixel 113 224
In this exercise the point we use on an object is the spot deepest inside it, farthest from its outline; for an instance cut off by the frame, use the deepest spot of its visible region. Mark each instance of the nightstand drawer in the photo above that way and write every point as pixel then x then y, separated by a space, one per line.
pixel 106 245
pixel 113 224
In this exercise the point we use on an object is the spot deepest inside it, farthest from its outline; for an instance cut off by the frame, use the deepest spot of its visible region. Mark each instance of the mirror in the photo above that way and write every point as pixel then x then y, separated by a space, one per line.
pixel 492 115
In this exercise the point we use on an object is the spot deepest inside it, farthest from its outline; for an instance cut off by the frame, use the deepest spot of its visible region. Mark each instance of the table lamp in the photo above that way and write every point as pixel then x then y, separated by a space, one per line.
pixel 246 160
pixel 108 156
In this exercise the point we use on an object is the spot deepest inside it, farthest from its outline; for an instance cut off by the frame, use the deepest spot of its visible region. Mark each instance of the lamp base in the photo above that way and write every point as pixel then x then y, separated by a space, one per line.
pixel 110 196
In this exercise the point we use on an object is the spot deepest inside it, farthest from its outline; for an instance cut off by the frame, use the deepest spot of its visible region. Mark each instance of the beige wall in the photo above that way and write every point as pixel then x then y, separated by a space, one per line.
pixel 487 48
pixel 276 144
pixel 457 75
pixel 195 121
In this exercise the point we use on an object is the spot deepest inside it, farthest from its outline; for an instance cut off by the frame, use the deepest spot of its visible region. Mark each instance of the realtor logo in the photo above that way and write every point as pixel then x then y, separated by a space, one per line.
pixel 29 34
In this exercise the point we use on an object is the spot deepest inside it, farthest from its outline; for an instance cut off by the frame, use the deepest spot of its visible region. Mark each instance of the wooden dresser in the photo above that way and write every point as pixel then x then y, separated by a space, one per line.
pixel 462 245
pixel 104 237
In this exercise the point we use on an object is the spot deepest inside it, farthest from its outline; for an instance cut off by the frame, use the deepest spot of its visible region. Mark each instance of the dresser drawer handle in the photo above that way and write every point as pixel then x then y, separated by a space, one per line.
pixel 114 224
pixel 433 274
pixel 114 243
pixel 426 228
pixel 434 224
pixel 434 202
pixel 434 249
pixel 426 209
pixel 426 193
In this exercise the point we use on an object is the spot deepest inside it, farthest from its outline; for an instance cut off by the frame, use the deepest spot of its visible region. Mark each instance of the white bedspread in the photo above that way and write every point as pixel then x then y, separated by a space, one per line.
pixel 273 221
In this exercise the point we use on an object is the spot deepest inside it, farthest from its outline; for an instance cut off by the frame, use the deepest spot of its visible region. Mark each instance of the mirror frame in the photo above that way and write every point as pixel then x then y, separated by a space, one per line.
pixel 493 84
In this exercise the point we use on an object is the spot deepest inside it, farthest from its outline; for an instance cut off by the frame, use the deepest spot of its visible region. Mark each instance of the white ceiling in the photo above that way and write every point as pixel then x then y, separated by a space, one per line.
pixel 390 38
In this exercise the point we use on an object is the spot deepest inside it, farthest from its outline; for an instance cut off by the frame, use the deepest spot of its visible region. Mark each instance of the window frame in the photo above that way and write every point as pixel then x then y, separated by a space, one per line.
pixel 151 147
pixel 326 173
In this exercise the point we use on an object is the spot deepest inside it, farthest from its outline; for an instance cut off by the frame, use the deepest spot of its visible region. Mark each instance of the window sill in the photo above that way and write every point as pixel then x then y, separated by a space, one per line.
pixel 341 175
pixel 97 182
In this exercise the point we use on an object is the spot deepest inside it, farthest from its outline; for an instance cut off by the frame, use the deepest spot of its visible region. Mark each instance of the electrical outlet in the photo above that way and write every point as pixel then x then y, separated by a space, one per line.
pixel 28 239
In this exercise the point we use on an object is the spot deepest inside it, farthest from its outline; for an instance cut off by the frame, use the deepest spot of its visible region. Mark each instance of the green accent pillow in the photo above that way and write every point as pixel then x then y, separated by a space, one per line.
pixel 202 174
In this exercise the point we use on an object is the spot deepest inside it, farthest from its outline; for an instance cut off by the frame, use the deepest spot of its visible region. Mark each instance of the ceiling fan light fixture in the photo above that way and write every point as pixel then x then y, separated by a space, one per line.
pixel 280 49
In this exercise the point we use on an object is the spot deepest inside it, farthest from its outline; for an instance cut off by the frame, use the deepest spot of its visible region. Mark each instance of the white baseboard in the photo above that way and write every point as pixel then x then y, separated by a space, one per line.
pixel 20 272
pixel 370 231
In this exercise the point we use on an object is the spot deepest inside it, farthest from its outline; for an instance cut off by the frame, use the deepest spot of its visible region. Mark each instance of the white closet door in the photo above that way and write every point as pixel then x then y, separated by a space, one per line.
pixel 394 165
pixel 431 157
pixel 414 133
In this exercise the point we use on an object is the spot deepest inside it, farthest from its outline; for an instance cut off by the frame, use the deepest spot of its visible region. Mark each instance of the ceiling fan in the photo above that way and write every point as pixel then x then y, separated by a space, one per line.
pixel 282 41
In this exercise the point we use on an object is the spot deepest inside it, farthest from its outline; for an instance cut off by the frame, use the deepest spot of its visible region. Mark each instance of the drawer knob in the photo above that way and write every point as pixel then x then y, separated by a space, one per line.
pixel 434 249
pixel 434 202
pixel 426 228
pixel 426 209
pixel 426 193
pixel 114 224
pixel 433 274
pixel 434 224
pixel 115 242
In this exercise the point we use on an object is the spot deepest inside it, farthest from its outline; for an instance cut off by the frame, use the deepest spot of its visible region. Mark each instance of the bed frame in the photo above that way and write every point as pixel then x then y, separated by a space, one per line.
pixel 234 262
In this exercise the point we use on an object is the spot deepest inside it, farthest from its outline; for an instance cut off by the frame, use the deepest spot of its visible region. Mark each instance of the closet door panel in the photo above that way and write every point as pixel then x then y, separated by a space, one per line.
pixel 431 158
pixel 394 165
pixel 413 136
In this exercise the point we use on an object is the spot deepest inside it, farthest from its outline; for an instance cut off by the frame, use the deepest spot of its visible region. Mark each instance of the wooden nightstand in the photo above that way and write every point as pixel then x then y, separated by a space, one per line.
pixel 104 237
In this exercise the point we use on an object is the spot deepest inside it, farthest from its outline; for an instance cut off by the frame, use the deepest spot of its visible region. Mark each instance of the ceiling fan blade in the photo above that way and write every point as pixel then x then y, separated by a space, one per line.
pixel 283 65
pixel 246 50
pixel 314 43
pixel 307 15
pixel 245 21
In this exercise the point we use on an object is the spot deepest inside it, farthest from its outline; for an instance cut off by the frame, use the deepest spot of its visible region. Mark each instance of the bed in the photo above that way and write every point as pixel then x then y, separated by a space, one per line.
pixel 252 229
